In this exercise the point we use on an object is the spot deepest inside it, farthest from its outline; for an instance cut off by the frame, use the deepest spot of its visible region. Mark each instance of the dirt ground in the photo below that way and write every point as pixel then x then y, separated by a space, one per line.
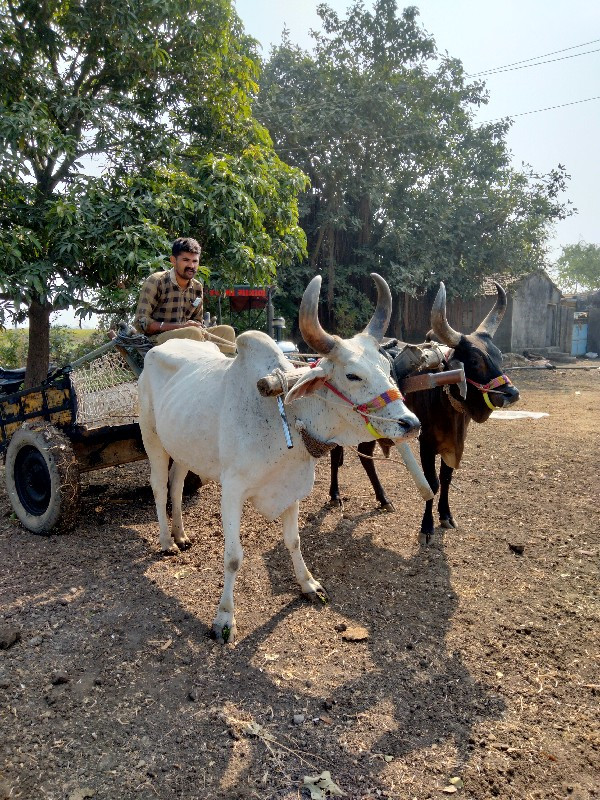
pixel 463 668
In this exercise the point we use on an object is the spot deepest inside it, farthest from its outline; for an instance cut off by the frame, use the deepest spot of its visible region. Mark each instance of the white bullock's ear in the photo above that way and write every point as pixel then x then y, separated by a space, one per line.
pixel 313 380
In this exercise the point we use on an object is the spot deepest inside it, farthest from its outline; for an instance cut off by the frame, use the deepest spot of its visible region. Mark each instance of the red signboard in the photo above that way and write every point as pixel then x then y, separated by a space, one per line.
pixel 243 298
pixel 239 291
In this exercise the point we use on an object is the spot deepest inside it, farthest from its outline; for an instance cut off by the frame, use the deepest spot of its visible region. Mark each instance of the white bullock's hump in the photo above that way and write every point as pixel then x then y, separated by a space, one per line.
pixel 258 354
pixel 174 354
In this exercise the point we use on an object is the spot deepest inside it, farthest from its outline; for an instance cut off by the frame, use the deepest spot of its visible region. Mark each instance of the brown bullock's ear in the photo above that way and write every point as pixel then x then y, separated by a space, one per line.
pixel 309 383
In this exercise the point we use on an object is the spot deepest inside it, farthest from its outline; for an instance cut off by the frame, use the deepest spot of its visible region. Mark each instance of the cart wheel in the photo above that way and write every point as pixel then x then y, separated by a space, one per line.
pixel 42 478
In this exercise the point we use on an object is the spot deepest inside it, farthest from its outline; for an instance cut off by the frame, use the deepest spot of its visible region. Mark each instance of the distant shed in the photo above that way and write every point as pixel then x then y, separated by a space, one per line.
pixel 537 316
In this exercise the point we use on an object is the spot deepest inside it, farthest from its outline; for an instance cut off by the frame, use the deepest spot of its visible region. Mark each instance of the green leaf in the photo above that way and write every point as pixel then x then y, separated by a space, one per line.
pixel 403 181
pixel 207 168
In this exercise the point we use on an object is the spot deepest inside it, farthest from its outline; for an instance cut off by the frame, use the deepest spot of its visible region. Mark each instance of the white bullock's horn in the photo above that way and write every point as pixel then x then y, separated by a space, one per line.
pixel 439 323
pixel 494 318
pixel 308 319
pixel 381 318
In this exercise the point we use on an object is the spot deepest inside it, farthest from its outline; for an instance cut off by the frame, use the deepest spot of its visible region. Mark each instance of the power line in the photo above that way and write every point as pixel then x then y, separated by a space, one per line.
pixel 525 66
pixel 506 68
pixel 282 149
pixel 416 130
pixel 535 58
pixel 538 110
pixel 411 133
pixel 496 70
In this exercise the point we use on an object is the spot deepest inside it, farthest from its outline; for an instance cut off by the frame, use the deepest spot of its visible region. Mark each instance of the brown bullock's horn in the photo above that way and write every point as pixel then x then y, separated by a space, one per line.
pixel 494 318
pixel 310 328
pixel 439 323
pixel 381 318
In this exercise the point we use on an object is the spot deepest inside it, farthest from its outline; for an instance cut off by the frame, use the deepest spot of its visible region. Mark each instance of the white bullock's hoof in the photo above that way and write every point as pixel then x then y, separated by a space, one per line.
pixel 170 550
pixel 224 634
pixel 319 595
pixel 183 542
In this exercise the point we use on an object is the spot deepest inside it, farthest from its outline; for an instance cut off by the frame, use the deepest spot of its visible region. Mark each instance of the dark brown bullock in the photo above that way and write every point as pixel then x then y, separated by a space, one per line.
pixel 443 414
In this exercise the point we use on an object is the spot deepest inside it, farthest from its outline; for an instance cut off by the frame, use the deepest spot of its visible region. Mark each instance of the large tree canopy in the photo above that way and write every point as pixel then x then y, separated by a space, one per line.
pixel 402 180
pixel 578 267
pixel 122 125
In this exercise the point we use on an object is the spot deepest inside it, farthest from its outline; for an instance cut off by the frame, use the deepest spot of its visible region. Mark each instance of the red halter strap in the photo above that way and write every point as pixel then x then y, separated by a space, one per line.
pixel 373 405
pixel 501 380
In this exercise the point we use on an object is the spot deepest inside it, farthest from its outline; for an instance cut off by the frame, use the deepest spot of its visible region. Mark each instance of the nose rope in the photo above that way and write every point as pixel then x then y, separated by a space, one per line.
pixel 501 380
pixel 370 415
pixel 366 410
pixel 212 337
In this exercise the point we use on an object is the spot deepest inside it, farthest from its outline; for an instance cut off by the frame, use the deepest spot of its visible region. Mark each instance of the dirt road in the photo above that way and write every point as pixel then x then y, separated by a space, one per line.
pixel 462 668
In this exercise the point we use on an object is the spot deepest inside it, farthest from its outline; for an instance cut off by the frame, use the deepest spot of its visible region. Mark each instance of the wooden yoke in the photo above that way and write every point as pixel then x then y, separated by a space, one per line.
pixel 270 385
pixel 429 380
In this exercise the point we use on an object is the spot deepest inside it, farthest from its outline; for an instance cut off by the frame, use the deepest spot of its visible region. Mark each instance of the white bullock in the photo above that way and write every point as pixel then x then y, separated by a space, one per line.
pixel 204 410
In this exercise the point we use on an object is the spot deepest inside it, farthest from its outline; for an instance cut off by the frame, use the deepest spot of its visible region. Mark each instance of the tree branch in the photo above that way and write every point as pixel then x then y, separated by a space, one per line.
pixel 20 32
pixel 86 68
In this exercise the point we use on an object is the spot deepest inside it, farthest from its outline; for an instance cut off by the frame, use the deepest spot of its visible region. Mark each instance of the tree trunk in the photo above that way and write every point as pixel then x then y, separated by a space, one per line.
pixel 38 355
pixel 331 279
pixel 364 214
pixel 315 254
pixel 395 328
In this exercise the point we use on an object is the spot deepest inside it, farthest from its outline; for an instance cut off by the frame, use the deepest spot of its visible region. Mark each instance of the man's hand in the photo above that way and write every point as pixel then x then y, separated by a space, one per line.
pixel 192 323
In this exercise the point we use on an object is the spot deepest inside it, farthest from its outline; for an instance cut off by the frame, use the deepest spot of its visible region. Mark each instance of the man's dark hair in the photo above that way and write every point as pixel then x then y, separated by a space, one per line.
pixel 185 245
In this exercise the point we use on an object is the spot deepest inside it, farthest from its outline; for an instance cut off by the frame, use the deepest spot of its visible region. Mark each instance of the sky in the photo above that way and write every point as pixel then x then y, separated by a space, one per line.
pixel 485 34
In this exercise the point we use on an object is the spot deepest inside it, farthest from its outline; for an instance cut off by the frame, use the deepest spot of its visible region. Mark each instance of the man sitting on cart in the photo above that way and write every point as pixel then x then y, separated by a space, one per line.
pixel 170 302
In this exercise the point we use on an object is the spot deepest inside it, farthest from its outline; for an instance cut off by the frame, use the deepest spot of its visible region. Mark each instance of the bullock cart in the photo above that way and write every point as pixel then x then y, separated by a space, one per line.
pixel 83 417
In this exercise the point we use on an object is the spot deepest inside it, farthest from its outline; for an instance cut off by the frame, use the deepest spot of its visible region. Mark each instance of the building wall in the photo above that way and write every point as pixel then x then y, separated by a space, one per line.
pixel 536 320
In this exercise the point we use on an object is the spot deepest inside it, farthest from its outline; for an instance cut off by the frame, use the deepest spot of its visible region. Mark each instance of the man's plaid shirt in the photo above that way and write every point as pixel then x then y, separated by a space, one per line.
pixel 162 300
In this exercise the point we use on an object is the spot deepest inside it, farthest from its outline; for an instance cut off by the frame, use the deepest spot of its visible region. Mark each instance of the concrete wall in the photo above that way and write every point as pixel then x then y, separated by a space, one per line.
pixel 536 313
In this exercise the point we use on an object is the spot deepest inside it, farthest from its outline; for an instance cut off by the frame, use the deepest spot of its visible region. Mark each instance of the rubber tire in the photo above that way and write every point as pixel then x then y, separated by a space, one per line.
pixel 42 478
